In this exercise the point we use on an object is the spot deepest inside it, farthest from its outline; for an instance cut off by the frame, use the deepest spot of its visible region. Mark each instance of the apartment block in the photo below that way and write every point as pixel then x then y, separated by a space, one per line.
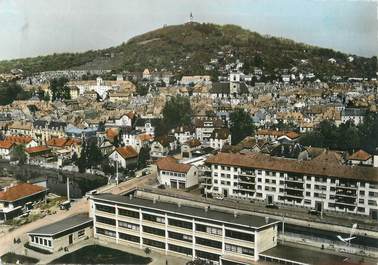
pixel 316 184
pixel 196 232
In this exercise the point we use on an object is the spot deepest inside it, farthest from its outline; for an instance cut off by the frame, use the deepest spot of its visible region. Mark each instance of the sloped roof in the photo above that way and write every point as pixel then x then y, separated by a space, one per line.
pixel 6 145
pixel 328 156
pixel 127 152
pixel 311 167
pixel 360 155
pixel 62 142
pixel 19 139
pixel 20 191
pixel 37 149
pixel 171 164
pixel 193 143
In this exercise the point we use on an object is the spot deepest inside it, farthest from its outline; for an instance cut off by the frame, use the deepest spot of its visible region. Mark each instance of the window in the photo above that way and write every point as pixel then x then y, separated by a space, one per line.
pixel 105 232
pixel 128 213
pixel 180 223
pixel 179 236
pixel 180 249
pixel 208 242
pixel 153 243
pixel 105 220
pixel 105 208
pixel 128 225
pixel 129 237
pixel 152 230
pixel 240 250
pixel 153 218
pixel 362 192
pixel 240 235
pixel 80 233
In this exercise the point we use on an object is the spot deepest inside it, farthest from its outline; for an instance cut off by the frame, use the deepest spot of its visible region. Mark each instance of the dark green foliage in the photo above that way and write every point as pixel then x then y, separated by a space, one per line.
pixel 142 89
pixel 369 132
pixel 10 91
pixel 59 90
pixel 12 258
pixel 193 45
pixel 241 126
pixel 18 153
pixel 347 136
pixel 144 156
pixel 100 255
pixel 90 157
pixel 177 112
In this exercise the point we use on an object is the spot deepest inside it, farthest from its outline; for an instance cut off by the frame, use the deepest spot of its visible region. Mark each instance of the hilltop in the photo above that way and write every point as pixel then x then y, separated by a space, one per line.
pixel 187 48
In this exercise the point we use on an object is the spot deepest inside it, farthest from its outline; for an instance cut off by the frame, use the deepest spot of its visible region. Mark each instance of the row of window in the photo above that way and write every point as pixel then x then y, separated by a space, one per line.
pixel 41 241
pixel 173 174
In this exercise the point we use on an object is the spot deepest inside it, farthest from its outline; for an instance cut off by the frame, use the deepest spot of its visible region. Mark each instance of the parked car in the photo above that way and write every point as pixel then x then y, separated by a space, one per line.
pixel 314 212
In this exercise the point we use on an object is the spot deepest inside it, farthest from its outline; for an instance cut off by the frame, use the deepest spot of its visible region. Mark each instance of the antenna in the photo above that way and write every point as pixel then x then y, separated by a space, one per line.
pixel 191 18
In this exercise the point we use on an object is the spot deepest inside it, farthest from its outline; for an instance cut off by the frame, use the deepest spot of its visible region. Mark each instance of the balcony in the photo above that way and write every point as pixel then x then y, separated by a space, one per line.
pixel 295 180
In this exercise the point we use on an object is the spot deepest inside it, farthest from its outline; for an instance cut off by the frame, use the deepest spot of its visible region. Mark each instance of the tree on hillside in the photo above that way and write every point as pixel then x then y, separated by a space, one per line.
pixel 59 89
pixel 329 131
pixel 10 91
pixel 241 126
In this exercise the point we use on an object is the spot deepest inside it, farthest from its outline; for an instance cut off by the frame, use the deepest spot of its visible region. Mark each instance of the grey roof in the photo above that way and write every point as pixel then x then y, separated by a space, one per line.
pixel 298 254
pixel 353 112
pixel 62 225
pixel 198 212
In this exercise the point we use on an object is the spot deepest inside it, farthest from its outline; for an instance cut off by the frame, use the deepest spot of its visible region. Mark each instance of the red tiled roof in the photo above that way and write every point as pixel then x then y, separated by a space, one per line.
pixel 290 134
pixel 37 149
pixel 20 191
pixel 310 168
pixel 112 133
pixel 6 145
pixel 19 139
pixel 170 164
pixel 360 155
pixel 62 142
pixel 145 137
pixel 127 152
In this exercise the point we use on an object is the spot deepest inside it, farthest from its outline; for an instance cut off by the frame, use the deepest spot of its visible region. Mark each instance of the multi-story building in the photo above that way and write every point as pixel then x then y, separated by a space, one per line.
pixel 316 184
pixel 196 232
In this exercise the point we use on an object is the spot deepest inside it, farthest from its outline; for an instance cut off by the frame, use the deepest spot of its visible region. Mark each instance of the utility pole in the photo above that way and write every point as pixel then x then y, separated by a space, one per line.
pixel 68 189
pixel 283 228
pixel 117 179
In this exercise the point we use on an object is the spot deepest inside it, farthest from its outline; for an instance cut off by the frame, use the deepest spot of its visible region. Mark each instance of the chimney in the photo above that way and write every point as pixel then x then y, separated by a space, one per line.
pixel 130 196
pixel 206 208
pixel 178 204
pixel 154 200
pixel 235 214
pixel 267 220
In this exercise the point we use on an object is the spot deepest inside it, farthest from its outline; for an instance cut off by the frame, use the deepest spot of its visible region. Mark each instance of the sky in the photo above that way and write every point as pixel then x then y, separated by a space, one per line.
pixel 30 28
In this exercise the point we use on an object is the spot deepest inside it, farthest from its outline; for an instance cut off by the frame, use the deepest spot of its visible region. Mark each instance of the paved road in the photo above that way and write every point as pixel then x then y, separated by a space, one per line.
pixel 6 241
pixel 131 184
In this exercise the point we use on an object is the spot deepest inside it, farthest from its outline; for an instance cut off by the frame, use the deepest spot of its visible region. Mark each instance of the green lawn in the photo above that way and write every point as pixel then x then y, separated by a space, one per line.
pixel 100 255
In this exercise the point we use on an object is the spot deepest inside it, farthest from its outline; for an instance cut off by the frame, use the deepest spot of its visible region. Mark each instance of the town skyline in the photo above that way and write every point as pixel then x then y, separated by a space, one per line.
pixel 39 29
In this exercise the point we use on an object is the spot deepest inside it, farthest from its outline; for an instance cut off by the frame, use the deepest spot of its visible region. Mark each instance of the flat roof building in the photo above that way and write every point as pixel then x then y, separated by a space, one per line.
pixel 198 232
pixel 62 234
